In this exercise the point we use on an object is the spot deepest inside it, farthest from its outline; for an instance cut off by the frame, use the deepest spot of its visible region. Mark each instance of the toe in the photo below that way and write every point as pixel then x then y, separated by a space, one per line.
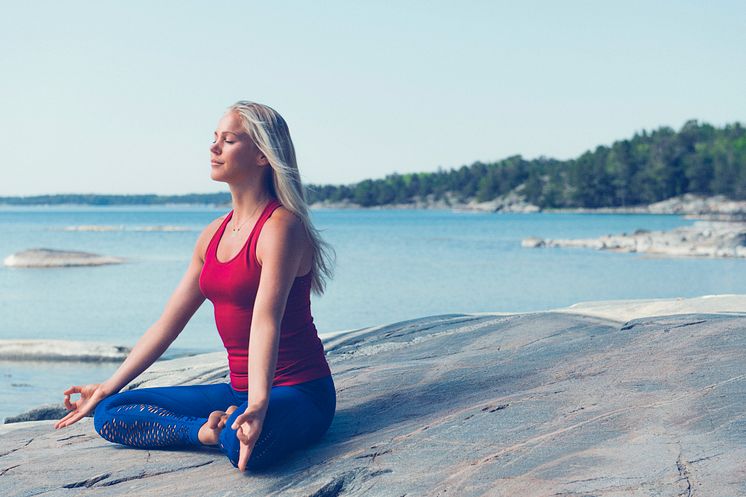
pixel 214 419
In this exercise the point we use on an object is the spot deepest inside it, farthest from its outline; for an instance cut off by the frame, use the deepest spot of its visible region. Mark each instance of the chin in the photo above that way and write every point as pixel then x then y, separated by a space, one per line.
pixel 216 176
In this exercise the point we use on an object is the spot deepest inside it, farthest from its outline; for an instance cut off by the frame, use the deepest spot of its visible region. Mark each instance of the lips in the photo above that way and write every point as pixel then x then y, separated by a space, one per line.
pixel 215 162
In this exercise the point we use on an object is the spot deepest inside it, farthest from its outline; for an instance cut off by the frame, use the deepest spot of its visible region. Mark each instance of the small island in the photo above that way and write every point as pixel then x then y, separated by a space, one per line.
pixel 47 258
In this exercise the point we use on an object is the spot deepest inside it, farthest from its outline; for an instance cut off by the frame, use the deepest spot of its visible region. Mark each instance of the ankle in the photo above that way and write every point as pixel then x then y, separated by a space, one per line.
pixel 208 436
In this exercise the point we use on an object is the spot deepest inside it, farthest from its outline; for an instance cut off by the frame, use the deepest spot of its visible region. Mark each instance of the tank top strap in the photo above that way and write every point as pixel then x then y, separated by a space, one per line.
pixel 212 245
pixel 268 210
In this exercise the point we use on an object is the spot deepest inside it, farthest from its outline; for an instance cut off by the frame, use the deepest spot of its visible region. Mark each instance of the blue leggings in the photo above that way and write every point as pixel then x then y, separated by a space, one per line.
pixel 170 417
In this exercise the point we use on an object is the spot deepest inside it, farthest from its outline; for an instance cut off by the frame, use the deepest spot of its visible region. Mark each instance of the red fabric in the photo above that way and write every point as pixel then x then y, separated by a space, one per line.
pixel 231 286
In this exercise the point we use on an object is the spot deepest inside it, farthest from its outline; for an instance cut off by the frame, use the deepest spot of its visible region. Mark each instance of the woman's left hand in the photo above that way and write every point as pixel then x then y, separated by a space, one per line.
pixel 248 427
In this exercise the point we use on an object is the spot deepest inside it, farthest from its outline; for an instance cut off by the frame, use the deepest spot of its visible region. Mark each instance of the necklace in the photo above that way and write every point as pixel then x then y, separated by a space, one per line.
pixel 236 229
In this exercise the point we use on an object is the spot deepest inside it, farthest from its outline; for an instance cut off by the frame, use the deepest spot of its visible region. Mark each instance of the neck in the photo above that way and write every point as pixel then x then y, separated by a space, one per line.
pixel 247 199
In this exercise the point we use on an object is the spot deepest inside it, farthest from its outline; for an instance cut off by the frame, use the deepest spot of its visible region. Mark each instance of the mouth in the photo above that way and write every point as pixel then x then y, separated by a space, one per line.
pixel 215 163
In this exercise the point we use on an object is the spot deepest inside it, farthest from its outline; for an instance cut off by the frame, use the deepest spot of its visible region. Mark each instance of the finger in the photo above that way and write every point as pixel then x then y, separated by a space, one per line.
pixel 61 422
pixel 238 421
pixel 68 405
pixel 74 419
pixel 241 436
pixel 243 458
pixel 72 389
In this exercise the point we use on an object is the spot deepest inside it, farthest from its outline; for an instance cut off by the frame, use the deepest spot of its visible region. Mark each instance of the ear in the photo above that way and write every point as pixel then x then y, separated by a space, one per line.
pixel 262 160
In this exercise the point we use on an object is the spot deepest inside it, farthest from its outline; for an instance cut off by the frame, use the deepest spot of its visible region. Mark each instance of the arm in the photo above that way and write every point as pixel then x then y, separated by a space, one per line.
pixel 280 253
pixel 280 250
pixel 184 302
pixel 182 305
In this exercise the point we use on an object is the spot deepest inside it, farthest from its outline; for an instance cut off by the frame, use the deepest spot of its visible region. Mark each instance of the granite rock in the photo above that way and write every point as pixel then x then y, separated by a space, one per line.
pixel 531 404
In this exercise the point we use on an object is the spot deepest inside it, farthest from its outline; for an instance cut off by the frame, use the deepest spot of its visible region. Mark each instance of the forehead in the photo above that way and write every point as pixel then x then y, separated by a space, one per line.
pixel 230 122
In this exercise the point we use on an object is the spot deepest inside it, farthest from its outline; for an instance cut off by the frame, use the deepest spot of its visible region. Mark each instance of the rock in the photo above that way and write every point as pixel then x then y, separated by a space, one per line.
pixel 61 350
pixel 49 411
pixel 121 227
pixel 532 242
pixel 58 258
pixel 536 403
pixel 701 239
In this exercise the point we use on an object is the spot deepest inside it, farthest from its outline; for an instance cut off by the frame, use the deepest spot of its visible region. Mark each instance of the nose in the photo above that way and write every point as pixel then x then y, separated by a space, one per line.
pixel 215 148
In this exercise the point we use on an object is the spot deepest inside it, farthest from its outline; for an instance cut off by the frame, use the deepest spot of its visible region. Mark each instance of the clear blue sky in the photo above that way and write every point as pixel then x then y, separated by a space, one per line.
pixel 123 97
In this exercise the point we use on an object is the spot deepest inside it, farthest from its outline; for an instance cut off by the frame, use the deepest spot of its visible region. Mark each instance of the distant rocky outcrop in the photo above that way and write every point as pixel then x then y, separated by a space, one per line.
pixel 701 239
pixel 42 258
pixel 532 404
pixel 713 208
pixel 513 201
pixel 60 350
pixel 102 227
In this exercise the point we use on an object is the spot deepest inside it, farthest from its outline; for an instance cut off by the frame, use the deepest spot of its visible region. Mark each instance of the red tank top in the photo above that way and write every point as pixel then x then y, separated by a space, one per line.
pixel 231 286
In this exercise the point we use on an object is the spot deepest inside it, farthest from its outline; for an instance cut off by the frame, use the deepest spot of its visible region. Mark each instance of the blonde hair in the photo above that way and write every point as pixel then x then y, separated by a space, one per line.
pixel 271 135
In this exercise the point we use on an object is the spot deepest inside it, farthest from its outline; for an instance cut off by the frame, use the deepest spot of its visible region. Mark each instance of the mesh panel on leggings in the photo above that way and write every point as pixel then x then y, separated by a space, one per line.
pixel 128 427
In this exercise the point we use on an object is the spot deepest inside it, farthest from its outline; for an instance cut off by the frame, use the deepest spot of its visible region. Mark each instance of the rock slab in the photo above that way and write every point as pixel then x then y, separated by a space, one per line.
pixel 532 404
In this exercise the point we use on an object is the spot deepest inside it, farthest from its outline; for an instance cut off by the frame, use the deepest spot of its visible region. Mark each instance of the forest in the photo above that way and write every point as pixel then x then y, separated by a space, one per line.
pixel 649 167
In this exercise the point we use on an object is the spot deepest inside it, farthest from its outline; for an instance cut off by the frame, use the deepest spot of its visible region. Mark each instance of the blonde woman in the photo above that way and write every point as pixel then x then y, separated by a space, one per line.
pixel 257 265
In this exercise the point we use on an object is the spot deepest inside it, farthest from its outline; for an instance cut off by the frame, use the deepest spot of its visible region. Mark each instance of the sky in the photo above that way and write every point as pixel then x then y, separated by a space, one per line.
pixel 123 97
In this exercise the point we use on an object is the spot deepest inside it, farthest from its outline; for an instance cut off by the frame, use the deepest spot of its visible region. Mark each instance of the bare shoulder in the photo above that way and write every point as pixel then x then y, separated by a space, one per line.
pixel 204 238
pixel 283 231
pixel 281 224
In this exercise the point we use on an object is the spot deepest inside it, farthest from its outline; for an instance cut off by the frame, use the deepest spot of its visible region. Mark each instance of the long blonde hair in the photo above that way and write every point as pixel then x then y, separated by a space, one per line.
pixel 271 135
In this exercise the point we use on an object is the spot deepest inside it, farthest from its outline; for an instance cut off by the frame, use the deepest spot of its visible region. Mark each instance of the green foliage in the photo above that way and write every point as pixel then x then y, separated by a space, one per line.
pixel 647 168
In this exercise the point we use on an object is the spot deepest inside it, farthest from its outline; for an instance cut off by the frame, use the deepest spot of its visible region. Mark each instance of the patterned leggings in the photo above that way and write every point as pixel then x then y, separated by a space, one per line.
pixel 170 417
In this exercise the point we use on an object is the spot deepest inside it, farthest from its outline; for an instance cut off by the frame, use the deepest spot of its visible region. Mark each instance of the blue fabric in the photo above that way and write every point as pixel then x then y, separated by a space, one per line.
pixel 170 417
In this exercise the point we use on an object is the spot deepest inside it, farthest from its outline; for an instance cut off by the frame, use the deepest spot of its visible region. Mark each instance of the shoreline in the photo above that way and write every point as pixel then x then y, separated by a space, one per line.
pixel 694 206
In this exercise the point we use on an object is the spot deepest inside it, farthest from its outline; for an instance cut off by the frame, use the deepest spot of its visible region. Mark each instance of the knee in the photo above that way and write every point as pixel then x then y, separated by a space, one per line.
pixel 101 416
pixel 228 441
pixel 230 445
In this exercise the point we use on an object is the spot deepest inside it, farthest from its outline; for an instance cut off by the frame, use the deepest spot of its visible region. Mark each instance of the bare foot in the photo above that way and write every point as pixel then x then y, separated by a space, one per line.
pixel 209 433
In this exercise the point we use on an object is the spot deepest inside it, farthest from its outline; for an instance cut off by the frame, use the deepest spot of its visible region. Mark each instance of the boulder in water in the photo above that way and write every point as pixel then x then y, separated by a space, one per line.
pixel 42 257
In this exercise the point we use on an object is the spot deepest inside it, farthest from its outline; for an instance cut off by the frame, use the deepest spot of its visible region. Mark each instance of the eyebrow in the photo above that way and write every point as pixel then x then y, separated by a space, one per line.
pixel 225 132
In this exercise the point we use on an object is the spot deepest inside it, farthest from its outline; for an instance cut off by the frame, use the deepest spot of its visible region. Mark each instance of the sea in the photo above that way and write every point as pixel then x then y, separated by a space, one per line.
pixel 391 265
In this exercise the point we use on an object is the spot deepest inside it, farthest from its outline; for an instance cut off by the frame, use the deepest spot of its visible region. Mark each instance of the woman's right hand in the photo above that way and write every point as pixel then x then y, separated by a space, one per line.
pixel 90 396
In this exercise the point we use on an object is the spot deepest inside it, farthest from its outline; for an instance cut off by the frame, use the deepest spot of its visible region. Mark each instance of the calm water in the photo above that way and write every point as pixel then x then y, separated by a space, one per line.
pixel 391 266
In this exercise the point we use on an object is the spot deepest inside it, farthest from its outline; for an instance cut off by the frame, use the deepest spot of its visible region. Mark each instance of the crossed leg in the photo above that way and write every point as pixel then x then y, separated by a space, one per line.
pixel 171 417
pixel 160 417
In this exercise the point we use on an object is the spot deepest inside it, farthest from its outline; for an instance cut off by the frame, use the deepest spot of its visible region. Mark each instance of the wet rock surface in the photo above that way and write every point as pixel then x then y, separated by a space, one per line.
pixel 470 405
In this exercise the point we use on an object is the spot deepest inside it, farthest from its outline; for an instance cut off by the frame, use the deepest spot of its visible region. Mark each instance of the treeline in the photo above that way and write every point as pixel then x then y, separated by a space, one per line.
pixel 646 168
pixel 96 199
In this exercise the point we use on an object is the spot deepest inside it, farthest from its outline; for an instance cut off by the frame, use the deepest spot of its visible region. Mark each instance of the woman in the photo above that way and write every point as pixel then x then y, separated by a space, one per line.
pixel 258 265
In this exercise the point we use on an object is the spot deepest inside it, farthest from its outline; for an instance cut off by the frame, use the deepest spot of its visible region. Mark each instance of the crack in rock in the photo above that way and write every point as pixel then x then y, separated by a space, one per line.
pixel 347 481
pixel 144 474
pixel 493 408
pixel 98 480
pixel 373 455
pixel 683 468
pixel 88 482
pixel 71 436
pixel 3 471
pixel 17 448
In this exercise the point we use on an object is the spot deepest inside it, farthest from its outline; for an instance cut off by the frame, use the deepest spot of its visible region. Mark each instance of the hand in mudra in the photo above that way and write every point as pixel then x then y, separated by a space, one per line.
pixel 90 396
pixel 248 427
